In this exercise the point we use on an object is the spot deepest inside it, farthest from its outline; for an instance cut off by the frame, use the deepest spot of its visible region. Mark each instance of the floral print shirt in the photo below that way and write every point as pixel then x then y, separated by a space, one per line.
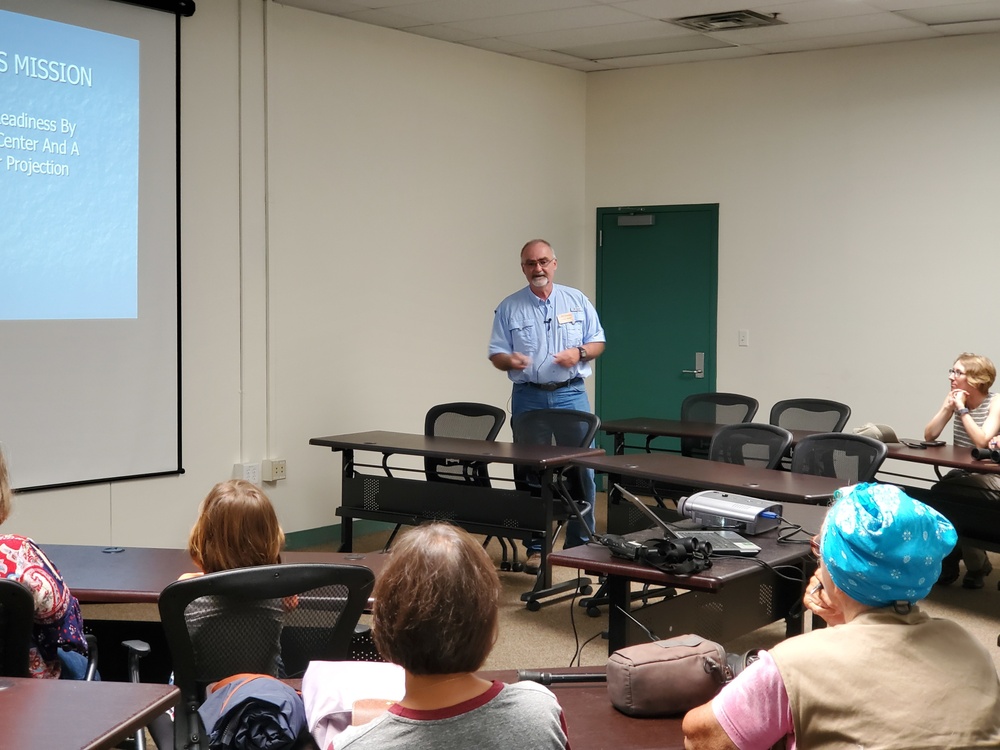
pixel 58 622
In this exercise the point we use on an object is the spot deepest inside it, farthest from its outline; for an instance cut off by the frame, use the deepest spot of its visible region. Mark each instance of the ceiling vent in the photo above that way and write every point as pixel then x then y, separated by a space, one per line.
pixel 735 19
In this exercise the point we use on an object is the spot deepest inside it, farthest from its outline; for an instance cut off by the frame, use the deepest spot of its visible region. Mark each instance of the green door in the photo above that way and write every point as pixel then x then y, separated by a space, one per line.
pixel 657 274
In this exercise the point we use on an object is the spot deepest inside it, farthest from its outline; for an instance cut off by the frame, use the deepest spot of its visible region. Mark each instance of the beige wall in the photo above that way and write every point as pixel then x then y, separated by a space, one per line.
pixel 354 198
pixel 858 209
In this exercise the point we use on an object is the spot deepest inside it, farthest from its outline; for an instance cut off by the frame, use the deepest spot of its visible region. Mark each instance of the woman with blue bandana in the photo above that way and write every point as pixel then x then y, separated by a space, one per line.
pixel 885 674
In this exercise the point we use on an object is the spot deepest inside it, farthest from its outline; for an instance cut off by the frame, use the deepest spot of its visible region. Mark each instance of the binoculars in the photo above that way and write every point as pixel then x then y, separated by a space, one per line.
pixel 986 454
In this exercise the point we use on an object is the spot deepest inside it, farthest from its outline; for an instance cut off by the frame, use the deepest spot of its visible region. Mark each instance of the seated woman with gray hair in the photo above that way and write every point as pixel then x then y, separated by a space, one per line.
pixel 886 675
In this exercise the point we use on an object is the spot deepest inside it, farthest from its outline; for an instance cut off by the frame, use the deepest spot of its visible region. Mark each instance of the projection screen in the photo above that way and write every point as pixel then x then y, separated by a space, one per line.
pixel 89 245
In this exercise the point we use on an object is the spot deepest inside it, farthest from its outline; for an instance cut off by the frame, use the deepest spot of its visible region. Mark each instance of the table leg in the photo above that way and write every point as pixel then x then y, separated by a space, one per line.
pixel 619 589
pixel 347 523
pixel 346 534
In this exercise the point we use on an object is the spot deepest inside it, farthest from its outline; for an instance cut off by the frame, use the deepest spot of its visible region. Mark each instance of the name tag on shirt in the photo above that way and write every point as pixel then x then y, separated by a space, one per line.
pixel 565 318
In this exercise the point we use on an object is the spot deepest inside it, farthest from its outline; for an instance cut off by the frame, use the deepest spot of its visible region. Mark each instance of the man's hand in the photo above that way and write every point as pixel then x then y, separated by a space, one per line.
pixel 567 357
pixel 512 361
pixel 519 361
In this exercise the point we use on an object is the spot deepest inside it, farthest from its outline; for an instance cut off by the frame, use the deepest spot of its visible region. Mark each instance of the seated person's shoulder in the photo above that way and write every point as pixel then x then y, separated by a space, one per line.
pixel 530 702
pixel 530 691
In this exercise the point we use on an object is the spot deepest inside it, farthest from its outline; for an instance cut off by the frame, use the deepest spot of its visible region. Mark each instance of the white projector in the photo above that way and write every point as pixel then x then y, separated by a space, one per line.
pixel 726 510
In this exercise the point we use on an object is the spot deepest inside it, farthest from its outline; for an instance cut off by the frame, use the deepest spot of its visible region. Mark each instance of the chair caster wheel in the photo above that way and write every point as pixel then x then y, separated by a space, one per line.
pixel 533 606
pixel 586 590
pixel 517 567
pixel 505 566
pixel 593 612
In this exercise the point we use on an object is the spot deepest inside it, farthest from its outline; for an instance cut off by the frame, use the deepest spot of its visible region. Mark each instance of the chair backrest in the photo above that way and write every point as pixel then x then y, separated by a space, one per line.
pixel 852 458
pixel 17 614
pixel 567 427
pixel 816 414
pixel 462 420
pixel 271 619
pixel 750 444
pixel 714 408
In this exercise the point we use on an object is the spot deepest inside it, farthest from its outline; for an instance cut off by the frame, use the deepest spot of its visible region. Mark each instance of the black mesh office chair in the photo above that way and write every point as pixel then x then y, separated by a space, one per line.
pixel 717 408
pixel 815 414
pixel 851 458
pixel 566 427
pixel 271 619
pixel 462 420
pixel 17 613
pixel 466 420
pixel 17 618
pixel 751 444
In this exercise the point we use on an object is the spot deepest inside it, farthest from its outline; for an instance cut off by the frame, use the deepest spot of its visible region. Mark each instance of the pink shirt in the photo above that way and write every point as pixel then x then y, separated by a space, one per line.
pixel 753 709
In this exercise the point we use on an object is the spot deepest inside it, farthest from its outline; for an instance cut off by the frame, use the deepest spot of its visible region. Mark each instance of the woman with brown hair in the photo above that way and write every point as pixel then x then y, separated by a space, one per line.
pixel 436 615
pixel 236 528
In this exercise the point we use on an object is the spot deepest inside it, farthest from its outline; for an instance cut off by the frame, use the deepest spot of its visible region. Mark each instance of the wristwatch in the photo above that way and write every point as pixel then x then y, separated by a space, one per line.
pixel 583 353
pixel 961 412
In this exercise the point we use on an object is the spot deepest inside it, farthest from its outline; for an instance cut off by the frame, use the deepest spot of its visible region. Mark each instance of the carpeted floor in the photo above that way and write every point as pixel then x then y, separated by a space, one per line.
pixel 553 636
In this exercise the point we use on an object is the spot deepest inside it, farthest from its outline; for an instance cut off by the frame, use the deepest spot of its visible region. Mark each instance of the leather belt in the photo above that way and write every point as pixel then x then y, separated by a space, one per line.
pixel 554 386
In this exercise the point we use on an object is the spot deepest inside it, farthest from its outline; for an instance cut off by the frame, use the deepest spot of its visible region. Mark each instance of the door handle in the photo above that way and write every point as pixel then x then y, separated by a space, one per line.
pixel 699 366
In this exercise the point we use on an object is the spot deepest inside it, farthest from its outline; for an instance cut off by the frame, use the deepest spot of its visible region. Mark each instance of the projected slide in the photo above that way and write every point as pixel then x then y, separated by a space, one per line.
pixel 69 171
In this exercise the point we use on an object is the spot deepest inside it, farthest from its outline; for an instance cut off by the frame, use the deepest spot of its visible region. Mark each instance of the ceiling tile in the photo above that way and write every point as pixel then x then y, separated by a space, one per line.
pixel 849 40
pixel 814 10
pixel 817 29
pixel 619 32
pixel 972 27
pixel 907 4
pixel 642 61
pixel 499 45
pixel 389 19
pixel 682 8
pixel 548 56
pixel 646 47
pixel 382 4
pixel 331 7
pixel 454 11
pixel 953 13
pixel 551 20
pixel 631 33
pixel 587 66
pixel 444 33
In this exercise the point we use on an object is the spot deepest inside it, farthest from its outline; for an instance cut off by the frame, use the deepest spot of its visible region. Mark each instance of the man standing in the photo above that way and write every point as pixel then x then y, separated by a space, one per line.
pixel 544 337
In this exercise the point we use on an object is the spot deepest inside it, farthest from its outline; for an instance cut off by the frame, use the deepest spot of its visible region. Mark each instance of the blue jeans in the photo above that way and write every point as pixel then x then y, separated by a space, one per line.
pixel 526 398
pixel 74 665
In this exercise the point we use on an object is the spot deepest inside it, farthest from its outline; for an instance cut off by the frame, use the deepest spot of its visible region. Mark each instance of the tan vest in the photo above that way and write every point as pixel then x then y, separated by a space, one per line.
pixel 884 680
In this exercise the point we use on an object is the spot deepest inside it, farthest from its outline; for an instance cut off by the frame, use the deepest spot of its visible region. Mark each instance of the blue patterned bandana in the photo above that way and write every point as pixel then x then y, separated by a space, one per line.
pixel 881 546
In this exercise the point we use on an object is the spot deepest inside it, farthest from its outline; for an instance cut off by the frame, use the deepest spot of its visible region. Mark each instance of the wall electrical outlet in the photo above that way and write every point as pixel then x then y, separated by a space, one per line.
pixel 272 470
pixel 249 471
pixel 744 337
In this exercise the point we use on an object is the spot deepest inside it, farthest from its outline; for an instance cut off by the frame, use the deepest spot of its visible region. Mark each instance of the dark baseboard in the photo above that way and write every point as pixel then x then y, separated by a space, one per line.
pixel 330 535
